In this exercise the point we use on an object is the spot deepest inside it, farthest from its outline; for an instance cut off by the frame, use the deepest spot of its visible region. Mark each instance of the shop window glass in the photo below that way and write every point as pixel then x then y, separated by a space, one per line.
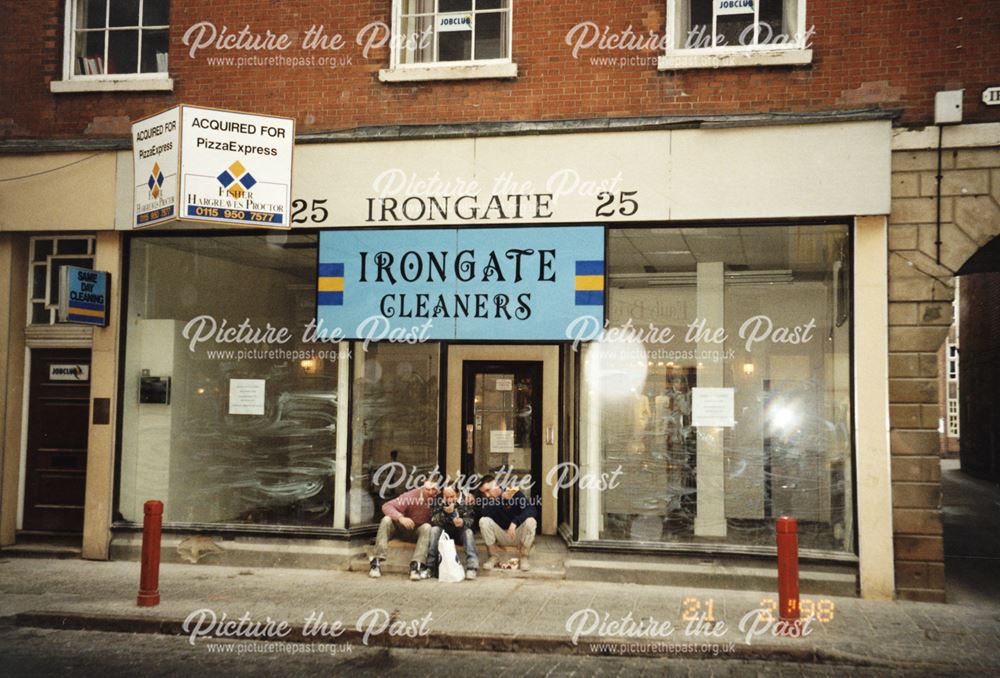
pixel 747 320
pixel 248 434
pixel 395 423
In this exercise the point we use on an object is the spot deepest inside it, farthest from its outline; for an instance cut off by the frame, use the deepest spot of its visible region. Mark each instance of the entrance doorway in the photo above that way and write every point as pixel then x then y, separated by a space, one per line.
pixel 502 423
pixel 56 454
pixel 530 364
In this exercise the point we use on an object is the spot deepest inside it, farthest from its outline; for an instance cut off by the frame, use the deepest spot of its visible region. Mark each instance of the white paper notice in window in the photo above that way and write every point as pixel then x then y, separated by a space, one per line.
pixel 246 396
pixel 735 6
pixel 712 407
pixel 454 22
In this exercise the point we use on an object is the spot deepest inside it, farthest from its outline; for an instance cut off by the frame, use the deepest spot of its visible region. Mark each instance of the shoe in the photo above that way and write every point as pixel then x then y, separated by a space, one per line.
pixel 374 569
pixel 414 572
pixel 424 573
pixel 470 574
pixel 494 558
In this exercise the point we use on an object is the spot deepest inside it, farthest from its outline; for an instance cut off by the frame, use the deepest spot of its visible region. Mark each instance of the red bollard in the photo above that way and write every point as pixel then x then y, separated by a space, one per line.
pixel 149 574
pixel 788 569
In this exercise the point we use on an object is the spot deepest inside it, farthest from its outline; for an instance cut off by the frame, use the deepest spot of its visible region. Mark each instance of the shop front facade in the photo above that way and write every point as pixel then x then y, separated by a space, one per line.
pixel 669 341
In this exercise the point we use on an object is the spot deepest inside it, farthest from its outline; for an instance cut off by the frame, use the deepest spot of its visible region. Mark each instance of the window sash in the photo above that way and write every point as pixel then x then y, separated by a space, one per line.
pixel 74 10
pixel 412 19
pixel 679 26
pixel 952 362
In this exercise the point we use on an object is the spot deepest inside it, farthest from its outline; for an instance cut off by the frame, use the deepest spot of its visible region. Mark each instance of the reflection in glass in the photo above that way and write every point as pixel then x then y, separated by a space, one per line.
pixel 124 13
pixel 207 462
pixel 491 40
pixel 92 14
pixel 154 52
pixel 455 46
pixel 416 42
pixel 734 30
pixel 155 13
pixel 123 51
pixel 395 421
pixel 757 313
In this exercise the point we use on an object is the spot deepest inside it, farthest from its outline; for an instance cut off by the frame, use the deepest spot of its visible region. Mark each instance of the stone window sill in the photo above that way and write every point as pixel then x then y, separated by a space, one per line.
pixel 112 85
pixel 447 72
pixel 679 60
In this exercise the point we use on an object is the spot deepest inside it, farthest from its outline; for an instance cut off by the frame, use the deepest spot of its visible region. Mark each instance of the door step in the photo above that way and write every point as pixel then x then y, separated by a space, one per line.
pixel 546 563
pixel 44 545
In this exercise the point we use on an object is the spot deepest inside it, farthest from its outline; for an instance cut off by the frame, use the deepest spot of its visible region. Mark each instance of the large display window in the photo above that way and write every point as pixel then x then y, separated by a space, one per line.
pixel 229 409
pixel 719 398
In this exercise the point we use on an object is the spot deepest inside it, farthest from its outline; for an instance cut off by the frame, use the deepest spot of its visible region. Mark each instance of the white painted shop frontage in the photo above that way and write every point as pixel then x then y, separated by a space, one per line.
pixel 674 333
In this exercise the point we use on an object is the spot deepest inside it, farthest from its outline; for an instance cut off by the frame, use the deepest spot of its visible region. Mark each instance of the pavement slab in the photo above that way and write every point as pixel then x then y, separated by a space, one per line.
pixel 499 613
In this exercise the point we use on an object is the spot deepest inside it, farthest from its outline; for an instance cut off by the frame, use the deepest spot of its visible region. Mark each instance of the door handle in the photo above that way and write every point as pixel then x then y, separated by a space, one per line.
pixel 469 428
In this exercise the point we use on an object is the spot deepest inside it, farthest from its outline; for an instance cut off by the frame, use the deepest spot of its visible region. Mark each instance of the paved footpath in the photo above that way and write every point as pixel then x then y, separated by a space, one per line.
pixel 496 614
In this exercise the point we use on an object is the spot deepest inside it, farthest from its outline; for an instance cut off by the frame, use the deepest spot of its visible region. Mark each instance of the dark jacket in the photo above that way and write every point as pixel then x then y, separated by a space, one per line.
pixel 440 519
pixel 505 512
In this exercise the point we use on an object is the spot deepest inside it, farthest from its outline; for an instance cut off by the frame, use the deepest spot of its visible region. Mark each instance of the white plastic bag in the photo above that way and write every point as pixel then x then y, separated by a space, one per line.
pixel 450 569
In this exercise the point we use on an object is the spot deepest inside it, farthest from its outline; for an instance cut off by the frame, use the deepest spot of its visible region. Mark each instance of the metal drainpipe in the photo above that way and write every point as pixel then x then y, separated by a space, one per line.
pixel 937 241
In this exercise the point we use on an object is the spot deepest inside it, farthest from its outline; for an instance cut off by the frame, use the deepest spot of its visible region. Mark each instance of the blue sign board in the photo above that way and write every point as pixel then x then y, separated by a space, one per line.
pixel 464 284
pixel 83 296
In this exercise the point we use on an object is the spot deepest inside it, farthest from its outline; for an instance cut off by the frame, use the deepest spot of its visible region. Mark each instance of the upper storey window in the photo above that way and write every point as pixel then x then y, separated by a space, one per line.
pixel 115 45
pixel 450 39
pixel 720 33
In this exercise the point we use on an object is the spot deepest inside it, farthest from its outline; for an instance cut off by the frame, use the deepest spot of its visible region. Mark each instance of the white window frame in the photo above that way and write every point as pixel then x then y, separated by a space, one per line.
pixel 47 265
pixel 954 425
pixel 108 82
pixel 677 57
pixel 952 357
pixel 448 70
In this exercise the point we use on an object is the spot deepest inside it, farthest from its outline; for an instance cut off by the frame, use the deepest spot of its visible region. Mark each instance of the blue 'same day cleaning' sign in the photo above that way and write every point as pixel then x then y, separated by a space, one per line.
pixel 473 284
pixel 83 296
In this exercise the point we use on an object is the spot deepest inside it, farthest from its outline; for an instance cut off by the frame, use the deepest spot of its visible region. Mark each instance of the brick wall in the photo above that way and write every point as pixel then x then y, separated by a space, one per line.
pixel 920 313
pixel 891 53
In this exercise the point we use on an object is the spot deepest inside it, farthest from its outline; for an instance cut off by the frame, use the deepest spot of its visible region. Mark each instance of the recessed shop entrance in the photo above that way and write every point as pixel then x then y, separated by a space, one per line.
pixel 501 408
pixel 517 412
pixel 56 453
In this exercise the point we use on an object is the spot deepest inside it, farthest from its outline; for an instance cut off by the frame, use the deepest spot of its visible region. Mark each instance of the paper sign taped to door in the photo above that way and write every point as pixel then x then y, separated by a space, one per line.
pixel 502 442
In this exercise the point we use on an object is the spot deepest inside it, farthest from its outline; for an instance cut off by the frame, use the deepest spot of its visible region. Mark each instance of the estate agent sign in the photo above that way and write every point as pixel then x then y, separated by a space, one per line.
pixel 204 164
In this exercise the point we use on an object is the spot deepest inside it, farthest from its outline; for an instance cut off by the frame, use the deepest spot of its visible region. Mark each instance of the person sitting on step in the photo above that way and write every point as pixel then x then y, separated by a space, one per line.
pixel 506 518
pixel 454 515
pixel 408 517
